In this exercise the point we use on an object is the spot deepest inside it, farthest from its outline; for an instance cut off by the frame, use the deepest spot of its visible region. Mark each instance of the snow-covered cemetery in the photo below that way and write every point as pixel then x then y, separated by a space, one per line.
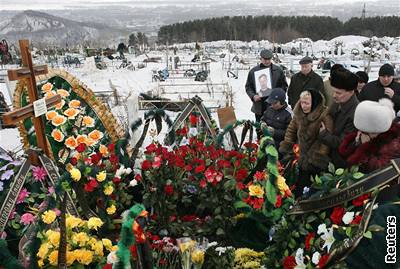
pixel 219 154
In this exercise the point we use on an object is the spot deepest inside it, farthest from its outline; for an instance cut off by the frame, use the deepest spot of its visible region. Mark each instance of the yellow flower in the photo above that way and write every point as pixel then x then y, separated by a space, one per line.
pixel 84 256
pixel 282 186
pixel 49 216
pixel 107 243
pixel 71 113
pixel 97 247
pixel 88 121
pixel 53 258
pixel 74 103
pixel 187 245
pixel 75 174
pixel 108 190
pixel 47 87
pixel 111 210
pixel 40 263
pixel 70 257
pixel 256 190
pixel 57 135
pixel 101 176
pixel 71 142
pixel 54 237
pixel 198 256
pixel 42 252
pixel 72 221
pixel 63 92
pixel 94 223
pixel 80 238
pixel 114 248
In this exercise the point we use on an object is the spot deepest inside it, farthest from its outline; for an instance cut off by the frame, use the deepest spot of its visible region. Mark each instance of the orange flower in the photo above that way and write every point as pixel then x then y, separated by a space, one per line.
pixel 74 103
pixel 57 135
pixel 58 120
pixel 47 87
pixel 71 113
pixel 90 142
pixel 60 105
pixel 49 94
pixel 103 150
pixel 96 135
pixel 51 114
pixel 63 92
pixel 81 139
pixel 71 143
pixel 88 121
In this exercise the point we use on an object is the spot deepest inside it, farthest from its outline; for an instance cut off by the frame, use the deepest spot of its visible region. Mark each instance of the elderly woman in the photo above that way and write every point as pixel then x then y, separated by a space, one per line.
pixel 372 146
pixel 308 115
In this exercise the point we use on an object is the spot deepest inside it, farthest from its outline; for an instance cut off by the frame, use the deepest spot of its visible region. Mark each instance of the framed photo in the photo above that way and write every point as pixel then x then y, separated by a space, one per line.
pixel 263 82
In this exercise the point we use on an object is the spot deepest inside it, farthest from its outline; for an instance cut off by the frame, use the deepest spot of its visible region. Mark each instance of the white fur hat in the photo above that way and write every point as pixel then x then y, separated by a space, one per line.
pixel 374 117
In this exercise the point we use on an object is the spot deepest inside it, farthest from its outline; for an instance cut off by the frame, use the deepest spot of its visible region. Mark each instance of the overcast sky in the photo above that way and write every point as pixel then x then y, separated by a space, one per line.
pixel 59 4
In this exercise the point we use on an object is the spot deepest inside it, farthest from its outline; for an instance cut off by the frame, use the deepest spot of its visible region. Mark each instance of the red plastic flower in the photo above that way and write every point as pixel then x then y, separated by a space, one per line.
pixel 278 201
pixel 146 165
pixel 241 174
pixel 169 189
pixel 359 201
pixel 322 261
pixel 289 262
pixel 357 219
pixel 151 148
pixel 259 175
pixel 200 168
pixel 337 215
pixel 157 162
pixel 203 183
pixel 111 147
pixel 81 147
pixel 309 237
pixel 193 120
pixel 73 161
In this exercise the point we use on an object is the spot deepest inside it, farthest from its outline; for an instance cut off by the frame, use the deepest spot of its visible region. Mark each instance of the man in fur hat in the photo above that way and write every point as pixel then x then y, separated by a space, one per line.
pixel 344 83
pixel 383 87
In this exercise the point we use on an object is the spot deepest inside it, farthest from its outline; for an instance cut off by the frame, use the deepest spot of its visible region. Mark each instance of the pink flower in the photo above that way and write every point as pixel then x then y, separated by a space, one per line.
pixel 157 162
pixel 51 190
pixel 27 218
pixel 12 215
pixel 24 193
pixel 57 211
pixel 39 173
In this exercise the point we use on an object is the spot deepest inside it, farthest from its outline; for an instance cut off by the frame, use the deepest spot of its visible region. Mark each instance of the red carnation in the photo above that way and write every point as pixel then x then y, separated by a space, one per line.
pixel 359 201
pixel 113 158
pixel 81 147
pixel 200 168
pixel 138 177
pixel 309 237
pixel 322 261
pixel 151 148
pixel 289 262
pixel 259 175
pixel 179 162
pixel 95 158
pixel 241 174
pixel 111 147
pixel 203 183
pixel 73 161
pixel 278 201
pixel 188 168
pixel 116 180
pixel 337 215
pixel 146 165
pixel 193 120
pixel 169 189
pixel 357 219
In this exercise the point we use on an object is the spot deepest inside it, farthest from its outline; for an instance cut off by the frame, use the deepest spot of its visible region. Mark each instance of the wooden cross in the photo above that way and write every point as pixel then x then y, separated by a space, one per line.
pixel 28 72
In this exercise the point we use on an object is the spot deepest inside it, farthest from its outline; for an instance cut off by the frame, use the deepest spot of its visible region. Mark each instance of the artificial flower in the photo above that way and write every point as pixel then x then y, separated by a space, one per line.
pixel 51 115
pixel 108 190
pixel 71 113
pixel 94 223
pixel 47 87
pixel 63 92
pixel 71 142
pixel 53 258
pixel 59 105
pixel 39 173
pixel 27 218
pixel 95 135
pixel 88 121
pixel 348 217
pixel 101 176
pixel 57 135
pixel 111 209
pixel 49 216
pixel 75 174
pixel 58 120
pixel 256 190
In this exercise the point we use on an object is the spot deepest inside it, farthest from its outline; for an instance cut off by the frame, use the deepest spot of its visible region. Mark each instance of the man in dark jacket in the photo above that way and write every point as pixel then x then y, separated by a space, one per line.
pixel 278 80
pixel 277 116
pixel 383 87
pixel 344 83
pixel 305 79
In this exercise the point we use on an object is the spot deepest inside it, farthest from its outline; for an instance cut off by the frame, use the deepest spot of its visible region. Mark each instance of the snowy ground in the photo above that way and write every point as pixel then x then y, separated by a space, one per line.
pixel 135 82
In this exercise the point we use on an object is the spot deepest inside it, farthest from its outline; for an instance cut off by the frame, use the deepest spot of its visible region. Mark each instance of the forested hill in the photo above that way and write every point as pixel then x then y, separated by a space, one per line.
pixel 276 28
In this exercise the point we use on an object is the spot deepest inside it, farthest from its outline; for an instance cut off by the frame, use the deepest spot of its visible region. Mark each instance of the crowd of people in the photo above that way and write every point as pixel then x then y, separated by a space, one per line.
pixel 345 120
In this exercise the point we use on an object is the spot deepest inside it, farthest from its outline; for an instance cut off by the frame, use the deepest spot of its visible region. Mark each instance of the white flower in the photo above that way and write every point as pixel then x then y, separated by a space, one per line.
pixel 300 259
pixel 375 206
pixel 112 257
pixel 212 244
pixel 306 190
pixel 220 250
pixel 315 258
pixel 328 238
pixel 322 229
pixel 128 171
pixel 348 217
pixel 133 183
pixel 184 142
pixel 120 171
pixel 193 131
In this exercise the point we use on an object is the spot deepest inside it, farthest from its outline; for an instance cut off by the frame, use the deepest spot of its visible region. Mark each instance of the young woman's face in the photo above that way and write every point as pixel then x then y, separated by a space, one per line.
pixel 305 103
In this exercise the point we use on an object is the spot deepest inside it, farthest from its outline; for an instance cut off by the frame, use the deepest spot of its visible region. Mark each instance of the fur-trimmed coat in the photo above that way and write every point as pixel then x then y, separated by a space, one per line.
pixel 374 154
pixel 304 130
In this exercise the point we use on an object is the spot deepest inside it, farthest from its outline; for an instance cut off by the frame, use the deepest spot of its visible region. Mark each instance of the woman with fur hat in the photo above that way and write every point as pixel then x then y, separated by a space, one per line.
pixel 309 113
pixel 372 146
pixel 377 139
